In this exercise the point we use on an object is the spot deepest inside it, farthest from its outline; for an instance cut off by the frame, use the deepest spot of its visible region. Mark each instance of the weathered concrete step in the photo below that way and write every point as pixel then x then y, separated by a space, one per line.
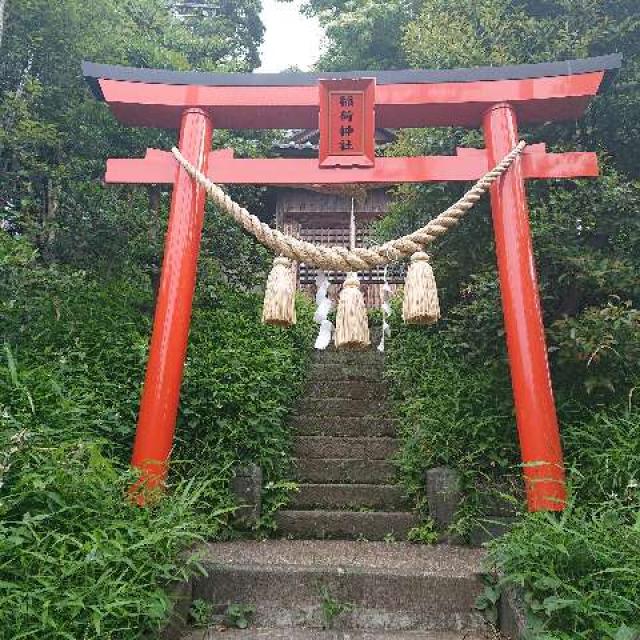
pixel 331 406
pixel 345 525
pixel 344 470
pixel 355 389
pixel 271 633
pixel 342 447
pixel 386 586
pixel 355 427
pixel 387 497
pixel 333 372
pixel 334 356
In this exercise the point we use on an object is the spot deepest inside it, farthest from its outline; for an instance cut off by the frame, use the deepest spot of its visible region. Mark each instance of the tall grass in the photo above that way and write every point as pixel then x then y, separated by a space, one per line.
pixel 581 569
pixel 450 413
pixel 77 560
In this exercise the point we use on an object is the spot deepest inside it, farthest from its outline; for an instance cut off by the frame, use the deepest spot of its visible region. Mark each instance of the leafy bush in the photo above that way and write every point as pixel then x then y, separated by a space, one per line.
pixel 76 559
pixel 241 380
pixel 80 346
pixel 450 411
pixel 597 352
pixel 580 570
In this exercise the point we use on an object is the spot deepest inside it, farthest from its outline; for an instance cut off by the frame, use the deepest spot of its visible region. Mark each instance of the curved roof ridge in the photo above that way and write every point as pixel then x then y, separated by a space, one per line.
pixel 93 72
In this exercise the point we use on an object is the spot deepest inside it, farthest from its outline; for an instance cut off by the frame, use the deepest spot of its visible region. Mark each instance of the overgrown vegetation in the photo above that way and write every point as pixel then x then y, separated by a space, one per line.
pixel 76 559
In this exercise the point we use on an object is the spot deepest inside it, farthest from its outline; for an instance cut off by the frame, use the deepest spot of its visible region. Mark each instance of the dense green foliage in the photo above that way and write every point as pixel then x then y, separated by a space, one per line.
pixel 362 34
pixel 76 560
pixel 451 383
pixel 581 572
pixel 55 137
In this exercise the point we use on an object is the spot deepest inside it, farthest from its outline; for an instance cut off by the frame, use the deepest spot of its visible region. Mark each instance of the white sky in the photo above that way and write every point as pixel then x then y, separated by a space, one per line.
pixel 290 39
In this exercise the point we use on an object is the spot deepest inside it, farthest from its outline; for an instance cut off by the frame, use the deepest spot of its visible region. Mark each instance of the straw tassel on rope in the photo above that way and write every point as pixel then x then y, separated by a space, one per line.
pixel 279 297
pixel 352 323
pixel 420 304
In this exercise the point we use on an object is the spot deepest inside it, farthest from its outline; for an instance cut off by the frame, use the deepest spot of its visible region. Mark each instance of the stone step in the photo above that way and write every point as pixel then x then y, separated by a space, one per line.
pixel 355 389
pixel 355 427
pixel 344 470
pixel 345 525
pixel 333 356
pixel 331 372
pixel 273 633
pixel 382 587
pixel 331 406
pixel 342 447
pixel 386 497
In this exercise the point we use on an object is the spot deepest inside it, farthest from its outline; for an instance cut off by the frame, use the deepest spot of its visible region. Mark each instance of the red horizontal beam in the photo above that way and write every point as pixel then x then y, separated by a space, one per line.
pixel 397 105
pixel 160 167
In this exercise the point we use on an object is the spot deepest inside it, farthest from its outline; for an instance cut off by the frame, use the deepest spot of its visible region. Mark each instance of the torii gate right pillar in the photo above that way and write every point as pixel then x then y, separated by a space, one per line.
pixel 533 395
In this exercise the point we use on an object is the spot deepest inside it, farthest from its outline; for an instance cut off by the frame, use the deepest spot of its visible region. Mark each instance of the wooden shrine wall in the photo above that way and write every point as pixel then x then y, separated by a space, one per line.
pixel 323 218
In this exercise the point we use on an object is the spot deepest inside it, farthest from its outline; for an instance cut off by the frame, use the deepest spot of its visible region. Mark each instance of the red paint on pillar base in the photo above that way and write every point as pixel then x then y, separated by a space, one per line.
pixel 161 392
pixel 533 395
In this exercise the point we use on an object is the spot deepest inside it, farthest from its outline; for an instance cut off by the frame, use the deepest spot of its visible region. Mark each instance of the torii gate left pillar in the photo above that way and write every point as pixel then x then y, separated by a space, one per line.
pixel 492 98
pixel 169 338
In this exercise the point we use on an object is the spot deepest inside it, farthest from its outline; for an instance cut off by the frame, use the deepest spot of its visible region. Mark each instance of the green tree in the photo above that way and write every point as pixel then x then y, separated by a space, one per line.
pixel 222 33
pixel 55 137
pixel 362 34
pixel 586 232
pixel 587 245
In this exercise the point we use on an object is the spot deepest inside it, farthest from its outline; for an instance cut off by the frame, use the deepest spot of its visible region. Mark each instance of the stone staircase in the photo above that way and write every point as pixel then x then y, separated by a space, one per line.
pixel 357 590
pixel 330 576
pixel 343 447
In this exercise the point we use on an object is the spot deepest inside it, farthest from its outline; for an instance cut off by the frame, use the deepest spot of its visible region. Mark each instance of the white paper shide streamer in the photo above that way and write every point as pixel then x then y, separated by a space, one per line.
pixel 385 306
pixel 323 307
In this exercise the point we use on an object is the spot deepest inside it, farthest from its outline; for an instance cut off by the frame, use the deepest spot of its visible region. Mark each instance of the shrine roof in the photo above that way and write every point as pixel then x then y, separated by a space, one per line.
pixel 543 92
pixel 306 142
pixel 93 72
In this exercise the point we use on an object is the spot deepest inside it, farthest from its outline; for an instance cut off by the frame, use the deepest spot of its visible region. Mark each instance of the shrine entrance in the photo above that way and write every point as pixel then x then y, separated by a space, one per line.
pixel 323 218
pixel 347 107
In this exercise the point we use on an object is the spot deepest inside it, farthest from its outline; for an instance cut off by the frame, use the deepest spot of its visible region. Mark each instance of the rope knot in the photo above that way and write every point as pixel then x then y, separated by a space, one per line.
pixel 420 255
pixel 351 281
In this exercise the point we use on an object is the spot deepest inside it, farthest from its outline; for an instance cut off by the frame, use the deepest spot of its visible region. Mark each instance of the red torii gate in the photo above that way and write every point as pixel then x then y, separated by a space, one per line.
pixel 494 98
